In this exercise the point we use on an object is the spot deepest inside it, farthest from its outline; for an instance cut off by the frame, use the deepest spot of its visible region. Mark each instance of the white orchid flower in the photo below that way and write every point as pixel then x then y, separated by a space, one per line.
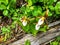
pixel 41 21
pixel 24 23
pixel 37 27
pixel 24 20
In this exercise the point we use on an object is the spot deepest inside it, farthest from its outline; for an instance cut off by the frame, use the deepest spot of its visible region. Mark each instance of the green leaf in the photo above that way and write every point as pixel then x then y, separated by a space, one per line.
pixel 27 42
pixel 58 3
pixel 1 0
pixel 4 1
pixel 35 13
pixel 2 7
pixel 30 2
pixel 40 0
pixel 39 10
pixel 13 24
pixel 12 1
pixel 34 1
pixel 51 2
pixel 32 7
pixel 26 28
pixel 23 9
pixel 42 29
pixel 54 43
pixel 8 7
pixel 58 38
pixel 51 8
pixel 5 30
pixel 49 14
pixel 28 9
pixel 15 14
pixel 17 10
pixel 55 0
pixel 12 10
pixel 15 18
pixel 5 12
pixel 57 8
pixel 32 29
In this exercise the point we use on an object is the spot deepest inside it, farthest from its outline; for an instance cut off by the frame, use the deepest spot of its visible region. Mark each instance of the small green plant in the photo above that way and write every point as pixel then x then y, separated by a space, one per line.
pixel 27 42
pixel 6 7
pixel 6 32
pixel 56 41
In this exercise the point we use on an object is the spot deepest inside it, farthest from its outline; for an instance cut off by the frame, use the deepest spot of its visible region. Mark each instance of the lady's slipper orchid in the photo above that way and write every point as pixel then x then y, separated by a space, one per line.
pixel 41 21
pixel 37 27
pixel 24 20
pixel 24 23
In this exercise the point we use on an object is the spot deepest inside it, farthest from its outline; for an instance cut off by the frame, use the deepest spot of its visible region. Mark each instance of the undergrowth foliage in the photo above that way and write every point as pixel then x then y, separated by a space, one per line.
pixel 30 16
pixel 56 41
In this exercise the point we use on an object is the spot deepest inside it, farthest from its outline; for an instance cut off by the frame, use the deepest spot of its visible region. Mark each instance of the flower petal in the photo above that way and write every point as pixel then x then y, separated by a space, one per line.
pixel 40 22
pixel 24 23
pixel 37 27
